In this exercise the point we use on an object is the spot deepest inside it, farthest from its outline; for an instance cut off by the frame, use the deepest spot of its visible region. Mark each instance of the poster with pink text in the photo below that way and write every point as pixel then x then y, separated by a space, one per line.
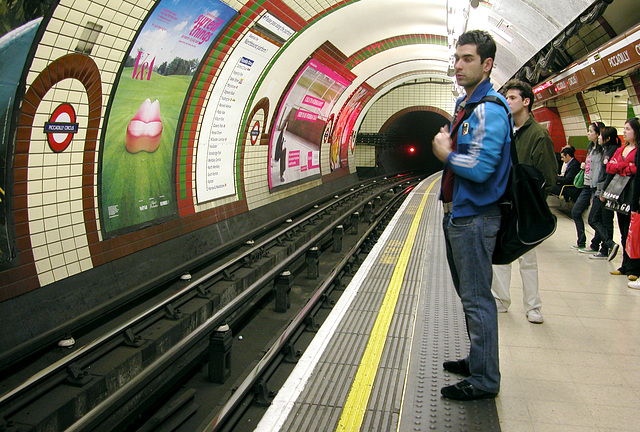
pixel 294 150
pixel 343 135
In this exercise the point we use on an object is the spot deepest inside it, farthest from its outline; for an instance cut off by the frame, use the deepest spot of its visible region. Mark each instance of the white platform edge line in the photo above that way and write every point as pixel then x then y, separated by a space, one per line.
pixel 286 397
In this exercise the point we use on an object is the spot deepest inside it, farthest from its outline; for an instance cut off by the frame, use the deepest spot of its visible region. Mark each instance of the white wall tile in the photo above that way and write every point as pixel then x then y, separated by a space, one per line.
pixel 46 278
pixel 55 251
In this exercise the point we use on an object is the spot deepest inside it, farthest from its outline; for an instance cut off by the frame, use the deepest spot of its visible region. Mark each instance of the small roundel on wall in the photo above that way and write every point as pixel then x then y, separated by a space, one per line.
pixel 61 127
pixel 255 133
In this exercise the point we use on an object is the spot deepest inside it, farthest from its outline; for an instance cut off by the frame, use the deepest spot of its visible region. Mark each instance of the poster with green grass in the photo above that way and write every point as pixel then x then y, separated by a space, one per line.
pixel 19 24
pixel 137 186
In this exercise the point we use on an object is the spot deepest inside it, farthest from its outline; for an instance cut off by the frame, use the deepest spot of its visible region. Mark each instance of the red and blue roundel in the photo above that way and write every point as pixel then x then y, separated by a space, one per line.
pixel 61 127
pixel 255 133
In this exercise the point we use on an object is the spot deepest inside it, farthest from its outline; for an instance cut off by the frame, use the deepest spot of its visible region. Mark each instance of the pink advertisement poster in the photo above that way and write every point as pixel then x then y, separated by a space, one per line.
pixel 294 150
pixel 343 135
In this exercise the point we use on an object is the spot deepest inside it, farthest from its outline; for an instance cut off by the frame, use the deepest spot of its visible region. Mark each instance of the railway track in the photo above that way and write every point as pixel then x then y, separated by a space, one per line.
pixel 179 361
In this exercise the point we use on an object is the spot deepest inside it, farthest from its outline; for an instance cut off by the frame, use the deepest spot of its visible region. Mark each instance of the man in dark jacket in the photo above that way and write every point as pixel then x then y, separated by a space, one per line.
pixel 533 147
pixel 573 168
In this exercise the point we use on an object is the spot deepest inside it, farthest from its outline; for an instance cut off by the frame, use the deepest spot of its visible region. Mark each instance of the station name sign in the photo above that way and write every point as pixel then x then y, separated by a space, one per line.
pixel 623 59
pixel 61 127
pixel 617 56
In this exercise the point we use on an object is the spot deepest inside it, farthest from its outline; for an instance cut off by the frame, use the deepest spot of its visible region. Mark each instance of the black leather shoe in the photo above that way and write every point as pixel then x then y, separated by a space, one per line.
pixel 465 391
pixel 459 367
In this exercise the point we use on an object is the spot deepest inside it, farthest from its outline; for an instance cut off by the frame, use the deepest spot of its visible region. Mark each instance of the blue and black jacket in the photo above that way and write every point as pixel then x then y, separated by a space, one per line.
pixel 482 161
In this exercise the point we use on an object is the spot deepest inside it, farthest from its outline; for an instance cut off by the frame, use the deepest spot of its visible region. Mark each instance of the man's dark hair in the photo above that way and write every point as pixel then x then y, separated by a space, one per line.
pixel 485 45
pixel 571 151
pixel 524 88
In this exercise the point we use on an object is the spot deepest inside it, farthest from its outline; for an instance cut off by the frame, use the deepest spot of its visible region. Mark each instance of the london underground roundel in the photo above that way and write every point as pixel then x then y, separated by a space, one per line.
pixel 255 132
pixel 61 127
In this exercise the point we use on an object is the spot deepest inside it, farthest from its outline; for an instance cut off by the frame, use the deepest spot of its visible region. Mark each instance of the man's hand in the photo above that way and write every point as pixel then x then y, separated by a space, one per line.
pixel 442 144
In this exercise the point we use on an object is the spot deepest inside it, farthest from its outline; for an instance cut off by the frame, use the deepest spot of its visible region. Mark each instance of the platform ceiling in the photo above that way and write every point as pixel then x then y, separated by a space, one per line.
pixel 520 27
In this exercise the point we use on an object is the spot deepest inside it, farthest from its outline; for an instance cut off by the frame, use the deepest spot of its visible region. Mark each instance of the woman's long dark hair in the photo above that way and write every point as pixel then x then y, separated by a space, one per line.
pixel 635 125
pixel 610 137
pixel 598 127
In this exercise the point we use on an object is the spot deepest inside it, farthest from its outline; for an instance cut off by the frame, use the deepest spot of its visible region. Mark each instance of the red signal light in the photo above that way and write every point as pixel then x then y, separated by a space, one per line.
pixel 412 149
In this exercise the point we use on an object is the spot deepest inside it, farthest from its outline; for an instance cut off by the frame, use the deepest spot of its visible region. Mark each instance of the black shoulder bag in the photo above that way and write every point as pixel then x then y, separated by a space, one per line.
pixel 526 218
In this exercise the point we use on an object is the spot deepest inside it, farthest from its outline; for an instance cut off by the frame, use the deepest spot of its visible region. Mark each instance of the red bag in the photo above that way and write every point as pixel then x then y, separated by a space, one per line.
pixel 633 238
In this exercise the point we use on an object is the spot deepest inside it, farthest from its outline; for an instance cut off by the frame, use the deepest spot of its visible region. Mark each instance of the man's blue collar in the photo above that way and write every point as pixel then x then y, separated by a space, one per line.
pixel 480 92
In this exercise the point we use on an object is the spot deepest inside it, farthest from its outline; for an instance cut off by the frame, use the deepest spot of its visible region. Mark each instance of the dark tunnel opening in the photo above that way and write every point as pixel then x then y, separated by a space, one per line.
pixel 408 143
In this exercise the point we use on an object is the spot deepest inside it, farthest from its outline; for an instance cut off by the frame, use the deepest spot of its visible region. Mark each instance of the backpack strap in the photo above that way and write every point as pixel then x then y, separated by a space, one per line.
pixel 468 109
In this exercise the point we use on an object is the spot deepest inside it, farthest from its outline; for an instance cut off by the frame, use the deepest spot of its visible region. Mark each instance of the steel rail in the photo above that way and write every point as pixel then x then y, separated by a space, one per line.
pixel 105 408
pixel 244 388
pixel 60 364
pixel 9 356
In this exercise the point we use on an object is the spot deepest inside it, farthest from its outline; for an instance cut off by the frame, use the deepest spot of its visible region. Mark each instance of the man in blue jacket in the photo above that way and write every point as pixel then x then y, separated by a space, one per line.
pixel 477 161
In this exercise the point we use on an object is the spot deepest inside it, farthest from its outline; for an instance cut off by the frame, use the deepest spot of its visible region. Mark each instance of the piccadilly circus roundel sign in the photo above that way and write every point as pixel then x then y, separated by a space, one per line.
pixel 61 127
pixel 255 133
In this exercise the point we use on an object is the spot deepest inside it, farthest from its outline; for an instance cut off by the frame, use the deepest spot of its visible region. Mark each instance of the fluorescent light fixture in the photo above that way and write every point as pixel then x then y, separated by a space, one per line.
pixel 502 35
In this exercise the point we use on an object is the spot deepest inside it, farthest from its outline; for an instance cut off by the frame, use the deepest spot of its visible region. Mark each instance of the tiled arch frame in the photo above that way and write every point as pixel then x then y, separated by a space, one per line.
pixel 24 278
pixel 402 112
pixel 263 107
pixel 397 41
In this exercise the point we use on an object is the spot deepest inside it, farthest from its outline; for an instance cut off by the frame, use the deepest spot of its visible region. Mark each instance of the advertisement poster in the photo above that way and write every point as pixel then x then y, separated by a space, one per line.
pixel 343 136
pixel 138 144
pixel 19 23
pixel 216 150
pixel 294 150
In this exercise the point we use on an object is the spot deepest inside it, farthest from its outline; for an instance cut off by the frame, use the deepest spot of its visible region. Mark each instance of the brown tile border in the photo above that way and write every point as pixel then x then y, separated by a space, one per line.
pixel 77 66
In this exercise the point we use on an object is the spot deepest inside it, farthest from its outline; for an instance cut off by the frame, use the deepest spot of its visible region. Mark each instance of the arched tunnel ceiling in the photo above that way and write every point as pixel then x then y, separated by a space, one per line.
pixel 520 27
pixel 399 62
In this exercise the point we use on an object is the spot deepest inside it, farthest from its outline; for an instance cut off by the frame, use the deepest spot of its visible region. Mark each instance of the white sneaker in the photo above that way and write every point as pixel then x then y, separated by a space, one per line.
pixel 634 285
pixel 598 256
pixel 587 250
pixel 502 308
pixel 535 316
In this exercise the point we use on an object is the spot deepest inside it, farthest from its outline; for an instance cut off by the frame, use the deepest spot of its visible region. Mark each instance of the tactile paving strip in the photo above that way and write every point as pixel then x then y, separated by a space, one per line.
pixel 320 405
pixel 427 305
pixel 440 335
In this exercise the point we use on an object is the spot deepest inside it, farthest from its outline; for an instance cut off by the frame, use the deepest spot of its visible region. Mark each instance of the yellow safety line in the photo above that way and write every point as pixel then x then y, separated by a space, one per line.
pixel 358 399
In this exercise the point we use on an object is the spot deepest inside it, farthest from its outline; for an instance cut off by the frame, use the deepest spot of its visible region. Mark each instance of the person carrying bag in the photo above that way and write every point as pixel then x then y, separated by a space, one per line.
pixel 526 218
pixel 579 180
pixel 633 237
pixel 623 164
pixel 631 134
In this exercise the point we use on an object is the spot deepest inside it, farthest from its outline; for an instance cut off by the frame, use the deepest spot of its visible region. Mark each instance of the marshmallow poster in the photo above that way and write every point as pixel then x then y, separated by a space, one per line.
pixel 137 186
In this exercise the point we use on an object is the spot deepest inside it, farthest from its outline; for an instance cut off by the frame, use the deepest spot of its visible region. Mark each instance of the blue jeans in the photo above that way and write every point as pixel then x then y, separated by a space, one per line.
pixel 470 242
pixel 582 203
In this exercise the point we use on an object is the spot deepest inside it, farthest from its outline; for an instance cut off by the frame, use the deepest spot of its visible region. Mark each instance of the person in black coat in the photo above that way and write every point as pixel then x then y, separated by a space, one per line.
pixel 573 168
